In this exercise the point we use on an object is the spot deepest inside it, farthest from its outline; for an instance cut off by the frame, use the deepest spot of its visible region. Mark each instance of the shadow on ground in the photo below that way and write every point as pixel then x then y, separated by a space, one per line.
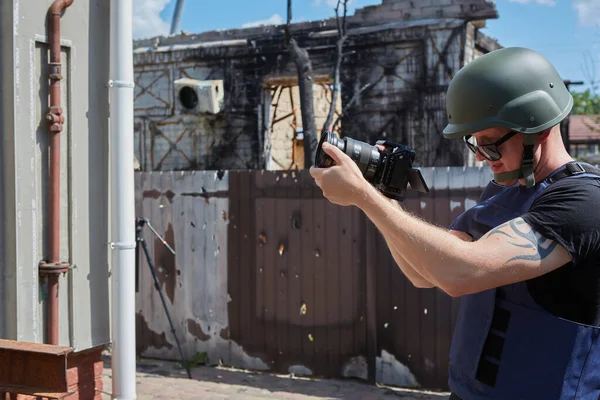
pixel 157 379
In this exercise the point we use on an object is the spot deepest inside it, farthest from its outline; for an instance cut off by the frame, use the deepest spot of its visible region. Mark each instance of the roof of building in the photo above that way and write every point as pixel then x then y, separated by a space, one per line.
pixel 584 127
pixel 390 14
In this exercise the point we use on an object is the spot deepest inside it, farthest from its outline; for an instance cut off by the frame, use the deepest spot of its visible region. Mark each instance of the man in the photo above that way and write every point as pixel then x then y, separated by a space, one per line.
pixel 526 258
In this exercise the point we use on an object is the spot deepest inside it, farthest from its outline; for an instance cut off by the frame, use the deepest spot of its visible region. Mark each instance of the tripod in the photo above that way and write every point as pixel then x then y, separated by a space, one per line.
pixel 139 225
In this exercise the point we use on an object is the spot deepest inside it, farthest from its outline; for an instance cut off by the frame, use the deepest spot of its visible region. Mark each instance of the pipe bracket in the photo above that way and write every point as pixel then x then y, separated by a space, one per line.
pixel 121 84
pixel 121 245
pixel 49 268
pixel 55 71
pixel 56 119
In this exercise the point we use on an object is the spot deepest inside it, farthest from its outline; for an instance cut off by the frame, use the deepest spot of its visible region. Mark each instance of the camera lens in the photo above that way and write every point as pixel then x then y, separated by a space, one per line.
pixel 363 154
pixel 322 159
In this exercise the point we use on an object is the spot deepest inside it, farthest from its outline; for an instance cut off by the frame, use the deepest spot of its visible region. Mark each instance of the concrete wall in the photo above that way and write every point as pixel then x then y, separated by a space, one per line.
pixel 83 293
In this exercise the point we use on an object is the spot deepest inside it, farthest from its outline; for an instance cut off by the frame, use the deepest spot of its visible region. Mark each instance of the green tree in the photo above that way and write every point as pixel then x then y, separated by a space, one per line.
pixel 586 103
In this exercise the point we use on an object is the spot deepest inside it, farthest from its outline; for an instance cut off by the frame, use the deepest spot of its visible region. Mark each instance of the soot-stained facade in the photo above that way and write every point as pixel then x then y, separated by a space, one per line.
pixel 246 95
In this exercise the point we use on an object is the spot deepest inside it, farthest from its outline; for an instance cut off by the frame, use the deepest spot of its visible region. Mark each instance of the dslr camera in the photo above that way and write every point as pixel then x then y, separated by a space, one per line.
pixel 389 170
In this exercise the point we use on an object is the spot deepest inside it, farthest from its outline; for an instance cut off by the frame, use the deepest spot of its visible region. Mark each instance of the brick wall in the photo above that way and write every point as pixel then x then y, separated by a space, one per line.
pixel 422 9
pixel 84 378
pixel 285 152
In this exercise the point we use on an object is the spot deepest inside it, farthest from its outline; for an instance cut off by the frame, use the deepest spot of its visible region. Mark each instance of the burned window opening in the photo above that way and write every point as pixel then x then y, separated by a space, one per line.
pixel 285 120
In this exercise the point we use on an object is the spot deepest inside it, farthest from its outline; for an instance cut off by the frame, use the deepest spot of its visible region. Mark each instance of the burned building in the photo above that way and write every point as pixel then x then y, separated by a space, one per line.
pixel 229 99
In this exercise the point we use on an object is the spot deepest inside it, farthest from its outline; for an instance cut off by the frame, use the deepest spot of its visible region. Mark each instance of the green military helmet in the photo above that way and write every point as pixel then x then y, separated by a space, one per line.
pixel 515 88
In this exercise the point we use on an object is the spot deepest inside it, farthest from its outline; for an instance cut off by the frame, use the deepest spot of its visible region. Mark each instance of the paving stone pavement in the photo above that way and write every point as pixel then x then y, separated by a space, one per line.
pixel 157 379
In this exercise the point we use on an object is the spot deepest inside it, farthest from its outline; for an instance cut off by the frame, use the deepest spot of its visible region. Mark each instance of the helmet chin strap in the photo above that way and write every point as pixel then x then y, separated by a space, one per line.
pixel 526 170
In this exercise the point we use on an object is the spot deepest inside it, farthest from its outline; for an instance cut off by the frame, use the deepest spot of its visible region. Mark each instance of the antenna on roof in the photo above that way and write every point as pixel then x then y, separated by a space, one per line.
pixel 177 16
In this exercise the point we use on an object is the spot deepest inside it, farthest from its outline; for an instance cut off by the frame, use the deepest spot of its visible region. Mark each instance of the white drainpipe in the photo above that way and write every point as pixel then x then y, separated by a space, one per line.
pixel 122 204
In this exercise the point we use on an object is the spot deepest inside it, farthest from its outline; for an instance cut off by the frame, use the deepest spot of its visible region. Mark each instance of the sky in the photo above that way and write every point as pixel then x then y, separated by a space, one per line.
pixel 567 32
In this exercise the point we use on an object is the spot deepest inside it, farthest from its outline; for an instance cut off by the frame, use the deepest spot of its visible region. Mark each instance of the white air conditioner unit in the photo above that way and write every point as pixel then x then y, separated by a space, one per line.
pixel 195 96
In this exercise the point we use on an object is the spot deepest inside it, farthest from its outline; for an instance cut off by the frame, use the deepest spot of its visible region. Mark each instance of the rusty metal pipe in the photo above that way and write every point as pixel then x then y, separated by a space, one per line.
pixel 53 267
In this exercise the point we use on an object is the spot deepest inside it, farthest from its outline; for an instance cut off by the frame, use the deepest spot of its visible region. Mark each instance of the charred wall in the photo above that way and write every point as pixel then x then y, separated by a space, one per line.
pixel 394 78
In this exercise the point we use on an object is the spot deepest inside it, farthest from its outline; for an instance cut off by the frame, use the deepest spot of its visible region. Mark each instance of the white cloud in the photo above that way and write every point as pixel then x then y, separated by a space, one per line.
pixel 275 19
pixel 146 19
pixel 550 3
pixel 588 11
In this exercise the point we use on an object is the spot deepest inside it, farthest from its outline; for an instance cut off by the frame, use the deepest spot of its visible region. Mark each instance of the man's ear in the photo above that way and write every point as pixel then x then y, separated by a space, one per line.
pixel 543 136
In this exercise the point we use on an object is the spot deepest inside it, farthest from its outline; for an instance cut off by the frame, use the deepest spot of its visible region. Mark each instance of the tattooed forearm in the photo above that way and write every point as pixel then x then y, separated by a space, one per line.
pixel 526 238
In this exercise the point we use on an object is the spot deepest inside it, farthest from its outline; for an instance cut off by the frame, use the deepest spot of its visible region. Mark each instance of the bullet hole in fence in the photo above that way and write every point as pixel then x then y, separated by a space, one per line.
pixel 296 220
pixel 281 249
pixel 303 308
pixel 317 253
pixel 224 215
pixel 193 224
pixel 263 239
pixel 205 195
pixel 344 231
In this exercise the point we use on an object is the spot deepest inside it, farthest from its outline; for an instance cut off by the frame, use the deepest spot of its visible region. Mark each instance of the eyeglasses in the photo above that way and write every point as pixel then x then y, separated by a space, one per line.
pixel 489 151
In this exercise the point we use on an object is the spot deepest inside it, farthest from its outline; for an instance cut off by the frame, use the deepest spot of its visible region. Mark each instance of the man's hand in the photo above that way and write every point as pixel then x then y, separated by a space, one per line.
pixel 343 183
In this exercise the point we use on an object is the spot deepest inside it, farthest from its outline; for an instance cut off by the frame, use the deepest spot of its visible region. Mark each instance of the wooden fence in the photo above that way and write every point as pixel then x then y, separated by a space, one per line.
pixel 269 275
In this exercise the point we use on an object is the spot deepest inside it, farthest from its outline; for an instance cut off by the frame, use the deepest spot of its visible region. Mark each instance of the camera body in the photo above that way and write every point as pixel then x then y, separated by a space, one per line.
pixel 389 170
